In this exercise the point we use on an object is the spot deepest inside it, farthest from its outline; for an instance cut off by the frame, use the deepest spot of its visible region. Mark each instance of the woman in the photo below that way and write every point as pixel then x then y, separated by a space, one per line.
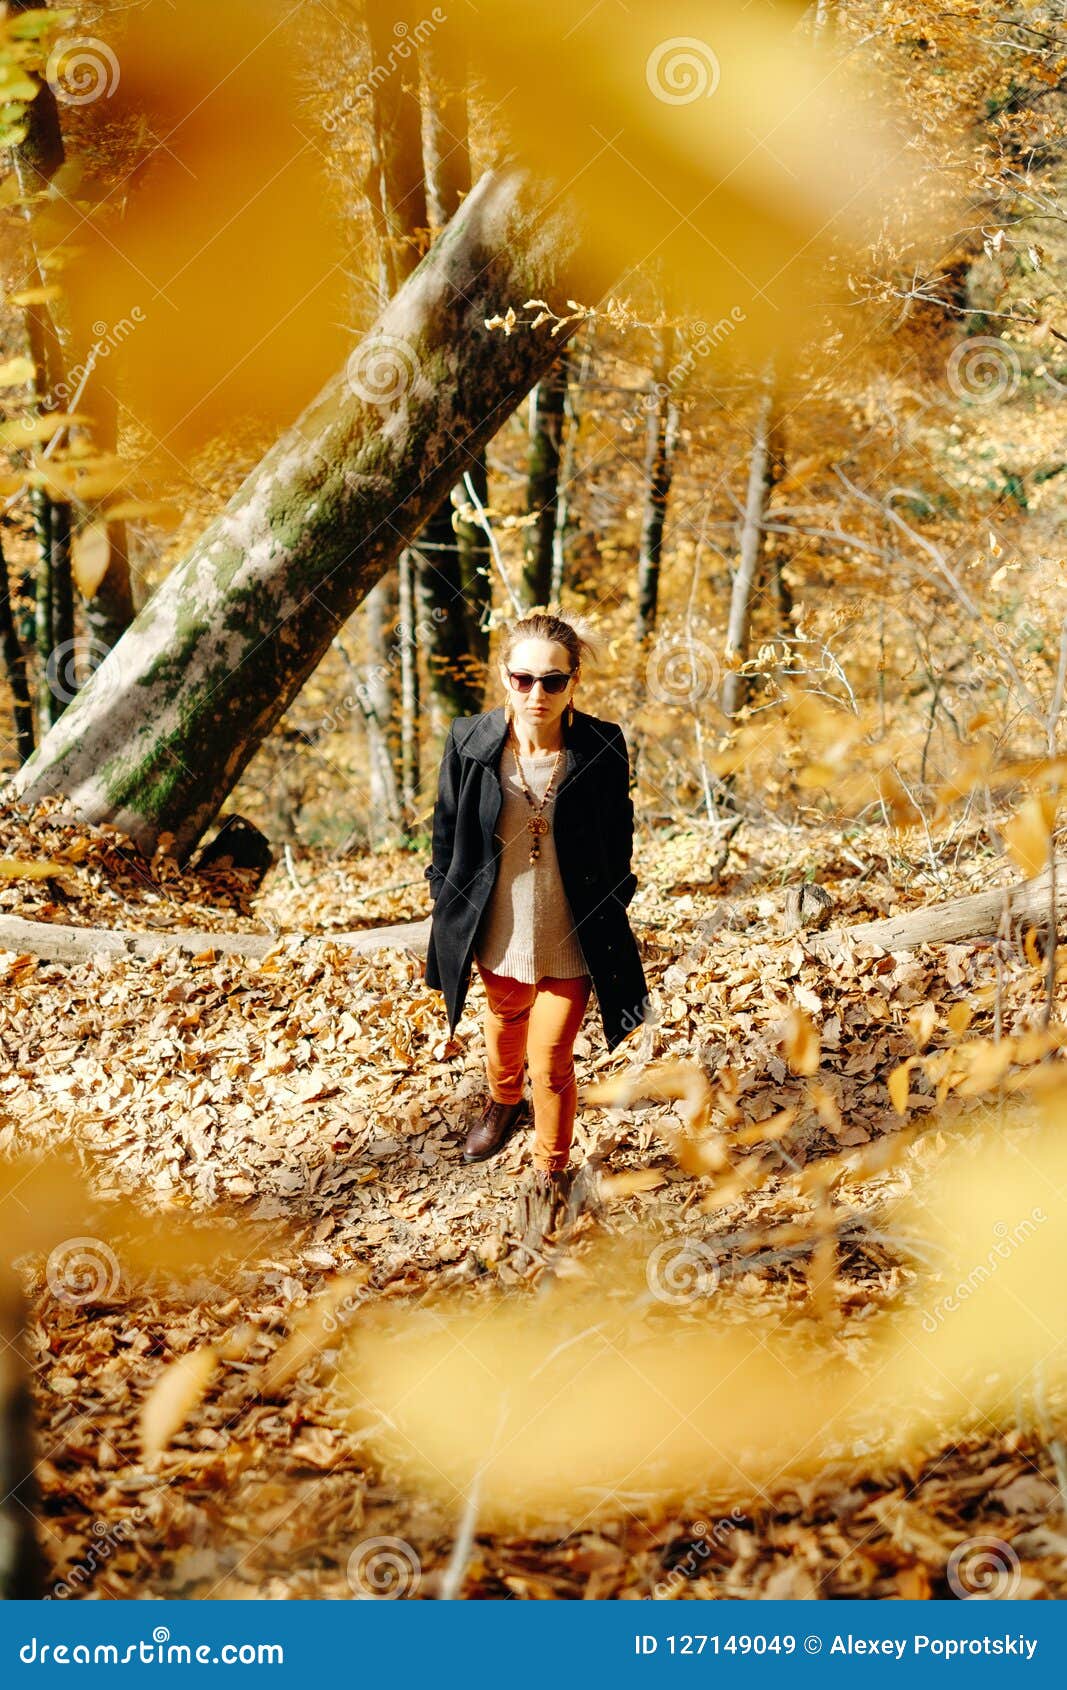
pixel 530 877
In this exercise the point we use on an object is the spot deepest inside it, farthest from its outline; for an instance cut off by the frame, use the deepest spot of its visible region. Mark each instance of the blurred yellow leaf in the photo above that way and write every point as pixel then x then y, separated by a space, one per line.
pixel 178 1390
pixel 31 868
pixel 826 1106
pixel 899 1086
pixel 987 1060
pixel 624 1185
pixel 134 510
pixel 803 1045
pixel 90 555
pixel 24 431
pixel 313 1331
pixel 657 137
pixel 775 1126
pixel 1029 833
pixel 35 296
pixel 921 1023
pixel 16 371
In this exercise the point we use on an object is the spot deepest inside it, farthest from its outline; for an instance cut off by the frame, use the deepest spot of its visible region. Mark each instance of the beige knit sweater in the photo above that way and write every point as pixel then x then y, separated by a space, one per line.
pixel 527 928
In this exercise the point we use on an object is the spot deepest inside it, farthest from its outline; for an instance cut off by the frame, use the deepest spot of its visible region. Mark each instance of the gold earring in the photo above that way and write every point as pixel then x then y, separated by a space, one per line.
pixel 570 714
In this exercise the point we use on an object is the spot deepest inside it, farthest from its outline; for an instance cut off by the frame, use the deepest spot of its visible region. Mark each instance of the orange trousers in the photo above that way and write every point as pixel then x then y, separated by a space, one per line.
pixel 536 1025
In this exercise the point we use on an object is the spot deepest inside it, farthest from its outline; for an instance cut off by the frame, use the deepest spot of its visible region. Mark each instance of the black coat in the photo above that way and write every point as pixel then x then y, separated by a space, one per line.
pixel 592 825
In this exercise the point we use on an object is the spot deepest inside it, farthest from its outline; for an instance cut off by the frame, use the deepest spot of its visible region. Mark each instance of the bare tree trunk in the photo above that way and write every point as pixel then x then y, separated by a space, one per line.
pixel 397 192
pixel 781 597
pixel 37 158
pixel 564 518
pixel 825 20
pixel 453 556
pixel 109 609
pixel 456 680
pixel 409 687
pixel 659 453
pixel 446 155
pixel 53 349
pixel 744 583
pixel 42 522
pixel 15 664
pixel 396 184
pixel 547 403
pixel 475 562
pixel 160 733
pixel 62 675
pixel 381 610
pixel 978 915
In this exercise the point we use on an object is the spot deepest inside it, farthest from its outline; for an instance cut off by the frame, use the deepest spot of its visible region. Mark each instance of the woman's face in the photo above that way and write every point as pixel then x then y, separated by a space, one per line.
pixel 538 708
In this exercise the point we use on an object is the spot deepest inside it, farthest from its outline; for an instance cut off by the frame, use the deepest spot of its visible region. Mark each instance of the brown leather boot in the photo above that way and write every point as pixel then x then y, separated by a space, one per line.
pixel 493 1128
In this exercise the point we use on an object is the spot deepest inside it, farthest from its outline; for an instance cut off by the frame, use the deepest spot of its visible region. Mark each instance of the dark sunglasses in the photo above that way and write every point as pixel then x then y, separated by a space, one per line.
pixel 554 681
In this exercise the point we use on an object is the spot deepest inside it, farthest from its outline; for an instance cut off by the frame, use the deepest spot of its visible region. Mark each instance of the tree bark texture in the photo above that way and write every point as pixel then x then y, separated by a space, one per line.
pixel 547 405
pixel 15 666
pixel 735 685
pixel 453 555
pixel 977 916
pixel 659 451
pixel 396 184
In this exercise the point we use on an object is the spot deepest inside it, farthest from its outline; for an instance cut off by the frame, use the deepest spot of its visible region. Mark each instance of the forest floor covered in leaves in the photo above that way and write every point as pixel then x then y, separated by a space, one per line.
pixel 320 1103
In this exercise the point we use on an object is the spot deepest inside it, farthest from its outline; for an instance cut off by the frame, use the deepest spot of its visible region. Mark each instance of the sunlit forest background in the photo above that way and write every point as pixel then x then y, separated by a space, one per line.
pixel 781 430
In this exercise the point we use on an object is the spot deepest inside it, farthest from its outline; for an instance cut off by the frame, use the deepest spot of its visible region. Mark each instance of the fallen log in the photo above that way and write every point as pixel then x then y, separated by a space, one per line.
pixel 980 915
pixel 80 944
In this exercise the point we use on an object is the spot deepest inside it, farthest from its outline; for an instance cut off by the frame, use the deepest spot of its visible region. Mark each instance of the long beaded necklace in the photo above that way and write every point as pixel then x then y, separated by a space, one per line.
pixel 537 826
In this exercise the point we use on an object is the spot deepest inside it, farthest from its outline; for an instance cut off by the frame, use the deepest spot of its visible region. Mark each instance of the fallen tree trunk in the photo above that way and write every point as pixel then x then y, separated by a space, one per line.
pixel 160 733
pixel 978 916
pixel 57 943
